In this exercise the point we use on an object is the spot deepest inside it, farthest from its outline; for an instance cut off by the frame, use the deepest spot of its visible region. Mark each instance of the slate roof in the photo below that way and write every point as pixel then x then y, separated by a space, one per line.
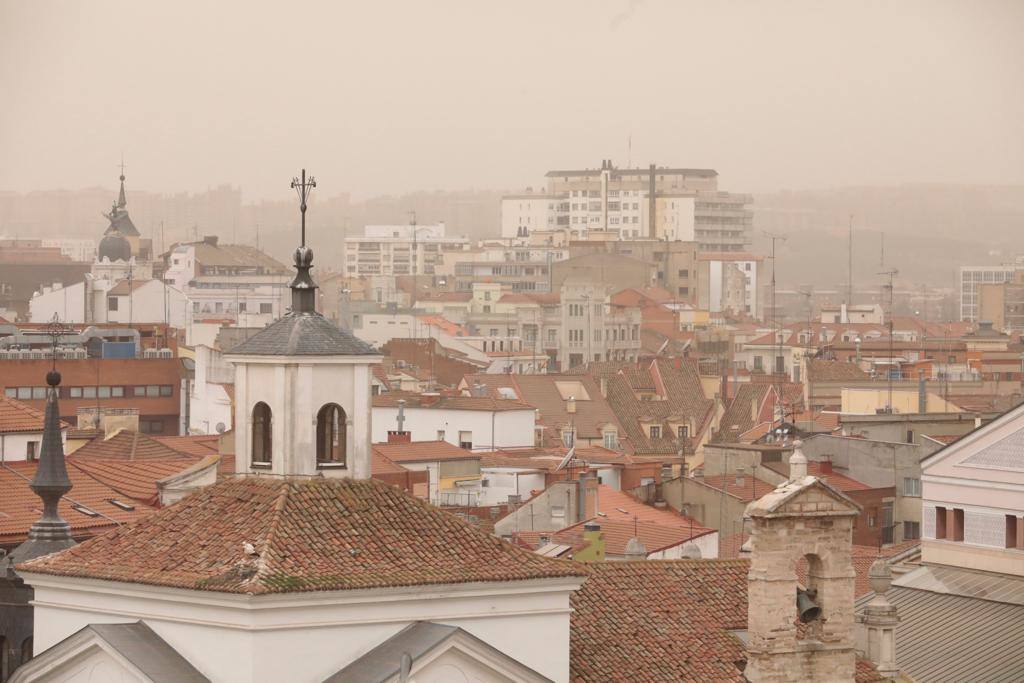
pixel 303 334
pixel 310 535
pixel 137 643
pixel 959 625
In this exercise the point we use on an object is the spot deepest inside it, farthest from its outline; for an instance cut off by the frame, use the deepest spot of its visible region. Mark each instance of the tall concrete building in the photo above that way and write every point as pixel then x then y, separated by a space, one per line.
pixel 973 277
pixel 400 250
pixel 656 202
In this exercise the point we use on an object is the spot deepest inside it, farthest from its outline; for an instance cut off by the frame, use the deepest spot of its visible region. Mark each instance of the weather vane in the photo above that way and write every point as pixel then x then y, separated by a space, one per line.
pixel 302 187
pixel 55 329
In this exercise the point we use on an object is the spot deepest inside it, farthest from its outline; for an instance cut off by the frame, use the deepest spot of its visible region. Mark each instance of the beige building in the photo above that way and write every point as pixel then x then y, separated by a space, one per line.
pixel 659 202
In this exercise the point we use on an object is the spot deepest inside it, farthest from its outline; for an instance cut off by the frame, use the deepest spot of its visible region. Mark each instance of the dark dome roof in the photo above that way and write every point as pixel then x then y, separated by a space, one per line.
pixel 115 247
pixel 303 334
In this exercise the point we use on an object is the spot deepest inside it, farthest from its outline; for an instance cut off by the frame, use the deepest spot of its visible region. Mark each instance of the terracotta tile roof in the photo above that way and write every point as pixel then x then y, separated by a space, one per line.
pixel 751 489
pixel 412 400
pixel 422 451
pixel 121 287
pixel 445 325
pixel 835 479
pixel 126 445
pixel 620 506
pixel 20 507
pixel 549 458
pixel 309 534
pixel 617 533
pixel 132 463
pixel 382 464
pixel 680 398
pixel 738 417
pixel 198 445
pixel 541 391
pixel 653 621
pixel 16 416
pixel 834 371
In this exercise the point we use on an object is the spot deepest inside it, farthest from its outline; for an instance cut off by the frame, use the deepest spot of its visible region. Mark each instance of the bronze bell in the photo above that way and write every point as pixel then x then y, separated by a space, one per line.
pixel 806 607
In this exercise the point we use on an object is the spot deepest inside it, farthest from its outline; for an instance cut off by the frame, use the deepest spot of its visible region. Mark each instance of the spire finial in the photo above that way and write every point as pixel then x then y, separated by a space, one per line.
pixel 50 532
pixel 121 201
pixel 303 287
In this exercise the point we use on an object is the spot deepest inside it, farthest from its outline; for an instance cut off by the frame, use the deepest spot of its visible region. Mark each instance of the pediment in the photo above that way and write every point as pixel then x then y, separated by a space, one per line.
pixel 109 653
pixel 809 496
pixel 427 652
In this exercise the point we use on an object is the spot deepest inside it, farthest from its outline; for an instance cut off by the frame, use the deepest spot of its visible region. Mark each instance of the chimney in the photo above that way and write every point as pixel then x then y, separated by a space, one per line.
pixel 753 410
pixel 395 436
pixel 922 396
pixel 652 223
pixel 826 465
pixel 797 462
pixel 428 400
pixel 588 487
pixel 604 387
pixel 570 405
pixel 740 480
pixel 595 541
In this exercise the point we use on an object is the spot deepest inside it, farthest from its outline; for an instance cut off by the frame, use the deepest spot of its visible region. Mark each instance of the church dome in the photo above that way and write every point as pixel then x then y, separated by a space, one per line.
pixel 114 247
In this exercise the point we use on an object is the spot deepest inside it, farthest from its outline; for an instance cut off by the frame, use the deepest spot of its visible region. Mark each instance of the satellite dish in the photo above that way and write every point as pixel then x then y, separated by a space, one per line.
pixel 221 428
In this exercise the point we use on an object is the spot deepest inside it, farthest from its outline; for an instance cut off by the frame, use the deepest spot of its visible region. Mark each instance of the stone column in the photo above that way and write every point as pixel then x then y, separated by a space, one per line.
pixel 879 620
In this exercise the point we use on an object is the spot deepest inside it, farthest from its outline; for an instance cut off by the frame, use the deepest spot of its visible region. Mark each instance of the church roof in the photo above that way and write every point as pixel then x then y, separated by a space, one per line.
pixel 303 334
pixel 307 534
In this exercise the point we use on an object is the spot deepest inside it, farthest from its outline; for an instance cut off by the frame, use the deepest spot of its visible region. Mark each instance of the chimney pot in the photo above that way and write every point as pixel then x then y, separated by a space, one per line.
pixel 395 436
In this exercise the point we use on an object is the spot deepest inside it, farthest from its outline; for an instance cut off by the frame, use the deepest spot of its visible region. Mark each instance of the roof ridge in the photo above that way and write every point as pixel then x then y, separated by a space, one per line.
pixel 263 563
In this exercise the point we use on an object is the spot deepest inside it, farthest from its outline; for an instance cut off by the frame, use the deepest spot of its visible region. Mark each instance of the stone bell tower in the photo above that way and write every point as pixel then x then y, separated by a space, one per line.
pixel 801 539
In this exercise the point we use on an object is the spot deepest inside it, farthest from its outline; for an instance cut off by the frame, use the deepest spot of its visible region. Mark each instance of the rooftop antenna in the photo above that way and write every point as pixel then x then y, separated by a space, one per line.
pixel 892 361
pixel 774 323
pixel 849 285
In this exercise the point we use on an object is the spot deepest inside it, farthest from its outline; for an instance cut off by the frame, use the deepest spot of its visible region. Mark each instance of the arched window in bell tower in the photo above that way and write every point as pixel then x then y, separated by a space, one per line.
pixel 330 436
pixel 262 439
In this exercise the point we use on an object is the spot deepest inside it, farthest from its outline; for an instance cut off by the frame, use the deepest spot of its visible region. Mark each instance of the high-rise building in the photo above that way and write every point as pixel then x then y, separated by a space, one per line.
pixel 400 250
pixel 972 277
pixel 662 203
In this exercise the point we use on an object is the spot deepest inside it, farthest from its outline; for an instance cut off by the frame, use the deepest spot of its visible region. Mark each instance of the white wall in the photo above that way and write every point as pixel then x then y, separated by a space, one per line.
pixel 529 212
pixel 14 446
pixel 307 637
pixel 67 303
pixel 296 388
pixel 511 428
pixel 503 482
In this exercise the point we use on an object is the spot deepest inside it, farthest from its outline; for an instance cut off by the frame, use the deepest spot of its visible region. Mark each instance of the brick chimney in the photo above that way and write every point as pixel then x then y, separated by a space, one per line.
pixel 826 466
pixel 395 436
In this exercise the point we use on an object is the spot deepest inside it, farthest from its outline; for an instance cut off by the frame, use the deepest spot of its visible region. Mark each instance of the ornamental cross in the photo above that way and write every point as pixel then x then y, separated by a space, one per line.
pixel 55 329
pixel 303 186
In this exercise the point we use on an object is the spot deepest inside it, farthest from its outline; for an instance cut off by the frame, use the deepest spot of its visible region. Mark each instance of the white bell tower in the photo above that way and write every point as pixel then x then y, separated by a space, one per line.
pixel 303 387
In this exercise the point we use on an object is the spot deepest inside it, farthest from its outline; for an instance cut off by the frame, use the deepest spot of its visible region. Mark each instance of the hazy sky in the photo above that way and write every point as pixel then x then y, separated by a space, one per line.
pixel 378 97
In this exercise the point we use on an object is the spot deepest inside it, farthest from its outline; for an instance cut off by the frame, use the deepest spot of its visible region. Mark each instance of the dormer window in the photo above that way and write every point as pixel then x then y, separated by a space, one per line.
pixel 330 436
pixel 611 439
pixel 261 435
pixel 655 431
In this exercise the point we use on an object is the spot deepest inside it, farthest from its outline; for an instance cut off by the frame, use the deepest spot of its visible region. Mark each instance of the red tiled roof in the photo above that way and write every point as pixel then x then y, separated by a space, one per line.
pixel 132 463
pixel 20 507
pixel 309 535
pixel 834 371
pixel 487 403
pixel 122 287
pixel 549 458
pixel 752 488
pixel 618 506
pixel 421 451
pixel 199 445
pixel 16 416
pixel 618 532
pixel 653 621
pixel 382 464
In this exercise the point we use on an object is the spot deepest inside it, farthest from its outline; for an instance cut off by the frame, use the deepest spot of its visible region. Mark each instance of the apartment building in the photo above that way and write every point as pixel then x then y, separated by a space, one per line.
pixel 973 277
pixel 731 283
pixel 400 249
pixel 664 203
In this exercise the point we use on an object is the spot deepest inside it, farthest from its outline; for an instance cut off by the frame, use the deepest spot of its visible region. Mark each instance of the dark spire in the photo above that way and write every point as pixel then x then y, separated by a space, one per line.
pixel 303 287
pixel 121 201
pixel 50 533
